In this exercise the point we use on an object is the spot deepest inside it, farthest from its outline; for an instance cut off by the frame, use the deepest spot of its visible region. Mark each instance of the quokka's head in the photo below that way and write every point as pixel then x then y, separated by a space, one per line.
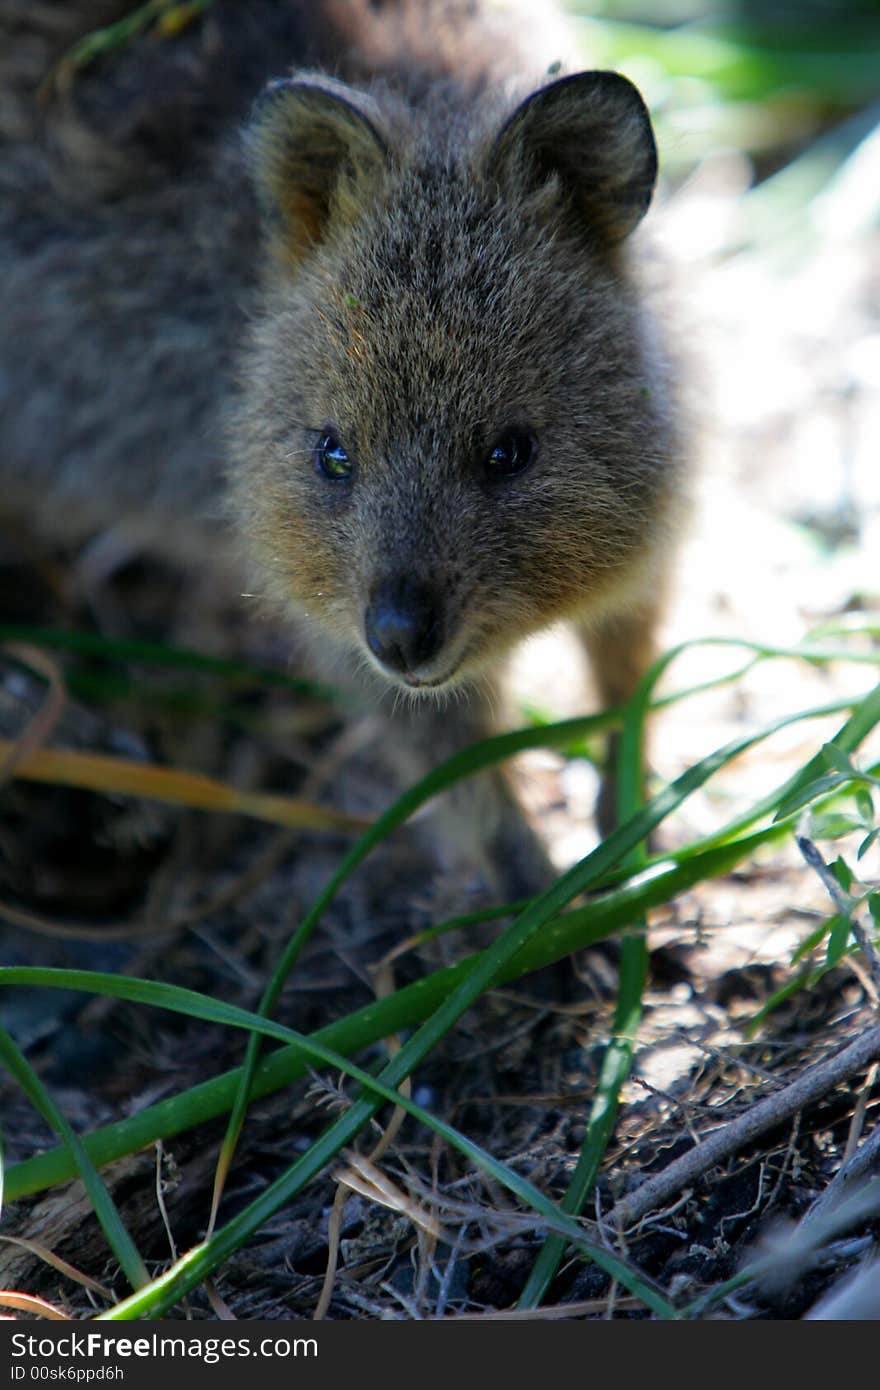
pixel 452 429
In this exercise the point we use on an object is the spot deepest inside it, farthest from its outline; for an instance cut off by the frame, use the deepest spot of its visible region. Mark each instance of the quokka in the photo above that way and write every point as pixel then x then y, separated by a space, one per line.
pixel 392 332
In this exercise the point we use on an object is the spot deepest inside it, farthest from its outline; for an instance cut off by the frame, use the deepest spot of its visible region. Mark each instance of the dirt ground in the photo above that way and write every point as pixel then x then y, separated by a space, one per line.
pixel 782 335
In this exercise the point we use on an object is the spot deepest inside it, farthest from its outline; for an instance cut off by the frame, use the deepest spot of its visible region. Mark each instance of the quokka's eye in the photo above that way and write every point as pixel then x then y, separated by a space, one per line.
pixel 511 453
pixel 331 460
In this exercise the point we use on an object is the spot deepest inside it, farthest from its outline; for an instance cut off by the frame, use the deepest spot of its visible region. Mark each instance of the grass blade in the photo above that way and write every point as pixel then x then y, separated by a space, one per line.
pixel 485 754
pixel 101 772
pixel 120 1241
pixel 196 1005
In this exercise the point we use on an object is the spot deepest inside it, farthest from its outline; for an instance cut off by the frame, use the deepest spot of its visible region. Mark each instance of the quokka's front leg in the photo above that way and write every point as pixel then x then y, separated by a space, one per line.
pixel 621 649
pixel 481 817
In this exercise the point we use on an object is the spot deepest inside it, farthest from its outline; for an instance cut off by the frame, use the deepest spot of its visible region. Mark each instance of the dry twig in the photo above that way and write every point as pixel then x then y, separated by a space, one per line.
pixel 773 1110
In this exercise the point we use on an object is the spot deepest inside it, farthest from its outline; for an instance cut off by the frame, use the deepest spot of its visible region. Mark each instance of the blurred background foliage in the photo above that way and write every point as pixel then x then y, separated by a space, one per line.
pixel 793 89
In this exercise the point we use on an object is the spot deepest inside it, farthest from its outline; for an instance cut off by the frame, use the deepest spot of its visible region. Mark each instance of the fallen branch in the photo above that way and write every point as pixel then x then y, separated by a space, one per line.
pixel 864 1162
pixel 810 1087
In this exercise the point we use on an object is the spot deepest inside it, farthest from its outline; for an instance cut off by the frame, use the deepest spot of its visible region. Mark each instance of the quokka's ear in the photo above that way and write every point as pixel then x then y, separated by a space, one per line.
pixel 315 152
pixel 593 133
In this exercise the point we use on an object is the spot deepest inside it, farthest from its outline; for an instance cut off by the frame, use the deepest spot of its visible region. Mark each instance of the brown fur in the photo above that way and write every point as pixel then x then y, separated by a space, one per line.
pixel 446 263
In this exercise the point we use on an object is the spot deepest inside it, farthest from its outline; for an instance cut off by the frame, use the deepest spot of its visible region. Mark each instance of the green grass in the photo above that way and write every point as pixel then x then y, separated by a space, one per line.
pixel 626 882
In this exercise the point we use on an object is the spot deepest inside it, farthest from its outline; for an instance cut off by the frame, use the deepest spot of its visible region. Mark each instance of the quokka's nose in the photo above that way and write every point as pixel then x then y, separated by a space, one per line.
pixel 403 624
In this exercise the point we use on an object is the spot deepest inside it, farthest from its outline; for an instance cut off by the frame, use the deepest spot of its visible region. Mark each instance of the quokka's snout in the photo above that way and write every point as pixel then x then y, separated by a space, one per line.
pixel 405 629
